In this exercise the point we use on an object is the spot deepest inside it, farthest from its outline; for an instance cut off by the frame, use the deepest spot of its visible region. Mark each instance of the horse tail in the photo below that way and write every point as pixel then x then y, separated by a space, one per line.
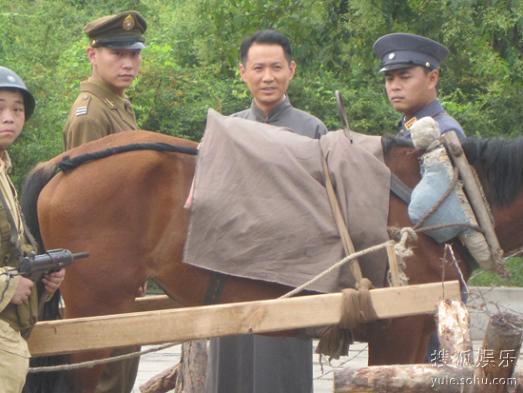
pixel 54 382
pixel 33 185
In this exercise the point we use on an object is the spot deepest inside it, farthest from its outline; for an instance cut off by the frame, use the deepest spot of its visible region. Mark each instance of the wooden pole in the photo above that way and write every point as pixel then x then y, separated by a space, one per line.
pixel 163 382
pixel 414 378
pixel 493 371
pixel 393 265
pixel 176 325
pixel 193 367
pixel 499 353
pixel 476 199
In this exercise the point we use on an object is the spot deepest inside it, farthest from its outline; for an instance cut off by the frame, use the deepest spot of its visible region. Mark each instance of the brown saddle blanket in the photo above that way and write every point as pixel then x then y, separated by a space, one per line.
pixel 260 208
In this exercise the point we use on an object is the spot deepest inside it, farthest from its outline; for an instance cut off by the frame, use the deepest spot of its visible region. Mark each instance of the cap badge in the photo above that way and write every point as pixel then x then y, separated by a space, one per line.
pixel 427 64
pixel 11 78
pixel 128 23
pixel 392 55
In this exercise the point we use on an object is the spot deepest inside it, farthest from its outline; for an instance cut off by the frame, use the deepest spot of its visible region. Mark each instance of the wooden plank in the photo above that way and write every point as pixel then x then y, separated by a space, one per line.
pixel 155 302
pixel 148 303
pixel 153 327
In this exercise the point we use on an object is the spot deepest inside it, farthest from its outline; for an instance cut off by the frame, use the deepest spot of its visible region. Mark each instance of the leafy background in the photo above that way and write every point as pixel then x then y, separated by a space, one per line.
pixel 190 63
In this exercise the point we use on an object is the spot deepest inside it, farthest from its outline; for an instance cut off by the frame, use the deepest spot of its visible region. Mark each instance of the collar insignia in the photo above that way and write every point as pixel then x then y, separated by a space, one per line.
pixel 409 122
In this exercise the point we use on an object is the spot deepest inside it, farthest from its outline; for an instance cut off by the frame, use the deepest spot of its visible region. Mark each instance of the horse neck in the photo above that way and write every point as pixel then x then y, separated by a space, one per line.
pixel 507 217
pixel 403 162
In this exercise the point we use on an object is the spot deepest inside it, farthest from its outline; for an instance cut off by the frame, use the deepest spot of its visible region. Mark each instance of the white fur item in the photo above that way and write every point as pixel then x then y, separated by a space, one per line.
pixel 423 132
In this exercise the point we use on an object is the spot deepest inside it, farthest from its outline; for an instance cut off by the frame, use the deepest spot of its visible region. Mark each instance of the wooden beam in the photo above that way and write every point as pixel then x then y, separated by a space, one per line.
pixel 153 327
pixel 148 303
pixel 155 302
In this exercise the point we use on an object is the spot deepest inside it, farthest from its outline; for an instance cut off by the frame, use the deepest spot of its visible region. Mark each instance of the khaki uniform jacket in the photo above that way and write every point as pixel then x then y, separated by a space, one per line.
pixel 13 318
pixel 97 112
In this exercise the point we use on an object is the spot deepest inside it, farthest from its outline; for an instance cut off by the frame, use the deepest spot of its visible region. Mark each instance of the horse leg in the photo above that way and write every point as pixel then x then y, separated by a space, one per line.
pixel 399 340
pixel 115 293
pixel 84 380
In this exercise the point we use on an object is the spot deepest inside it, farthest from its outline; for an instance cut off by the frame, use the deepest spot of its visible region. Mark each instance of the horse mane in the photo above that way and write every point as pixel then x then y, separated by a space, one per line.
pixel 501 162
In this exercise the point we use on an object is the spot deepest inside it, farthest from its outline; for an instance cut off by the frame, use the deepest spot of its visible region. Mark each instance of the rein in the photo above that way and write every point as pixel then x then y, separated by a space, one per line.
pixel 69 163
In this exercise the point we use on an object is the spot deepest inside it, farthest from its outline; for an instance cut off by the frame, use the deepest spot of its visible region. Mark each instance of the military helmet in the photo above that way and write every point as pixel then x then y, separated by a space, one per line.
pixel 10 80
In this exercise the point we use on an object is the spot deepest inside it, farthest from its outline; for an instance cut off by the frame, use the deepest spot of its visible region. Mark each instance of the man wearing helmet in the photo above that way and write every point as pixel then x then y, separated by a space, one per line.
pixel 18 295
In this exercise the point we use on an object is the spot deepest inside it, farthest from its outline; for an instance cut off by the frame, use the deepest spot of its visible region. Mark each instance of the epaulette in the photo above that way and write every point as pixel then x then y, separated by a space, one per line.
pixel 82 109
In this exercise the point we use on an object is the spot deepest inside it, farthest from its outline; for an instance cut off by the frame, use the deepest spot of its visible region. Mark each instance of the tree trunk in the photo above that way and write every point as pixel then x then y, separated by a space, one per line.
pixel 163 382
pixel 188 376
pixel 499 353
pixel 193 367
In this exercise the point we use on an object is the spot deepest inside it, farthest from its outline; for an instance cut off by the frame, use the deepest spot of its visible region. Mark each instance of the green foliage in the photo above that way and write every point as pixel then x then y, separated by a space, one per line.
pixel 191 60
pixel 514 268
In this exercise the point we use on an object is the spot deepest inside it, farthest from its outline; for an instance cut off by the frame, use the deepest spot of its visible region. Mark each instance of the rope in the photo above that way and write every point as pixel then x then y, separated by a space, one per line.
pixel 401 248
pixel 356 309
pixel 357 306
pixel 338 264
pixel 92 363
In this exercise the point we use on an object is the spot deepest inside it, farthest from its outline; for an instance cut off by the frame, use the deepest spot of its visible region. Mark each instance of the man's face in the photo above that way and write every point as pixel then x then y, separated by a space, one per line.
pixel 117 68
pixel 267 74
pixel 12 117
pixel 410 89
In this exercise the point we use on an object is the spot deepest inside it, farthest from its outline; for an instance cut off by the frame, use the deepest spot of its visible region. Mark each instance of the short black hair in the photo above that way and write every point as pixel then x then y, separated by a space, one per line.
pixel 266 37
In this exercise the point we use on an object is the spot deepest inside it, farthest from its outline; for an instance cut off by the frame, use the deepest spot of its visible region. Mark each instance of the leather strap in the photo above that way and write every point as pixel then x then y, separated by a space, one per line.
pixel 215 288
pixel 400 189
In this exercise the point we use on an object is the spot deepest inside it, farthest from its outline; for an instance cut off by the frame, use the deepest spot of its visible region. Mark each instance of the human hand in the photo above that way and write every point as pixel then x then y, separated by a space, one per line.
pixel 23 290
pixel 53 280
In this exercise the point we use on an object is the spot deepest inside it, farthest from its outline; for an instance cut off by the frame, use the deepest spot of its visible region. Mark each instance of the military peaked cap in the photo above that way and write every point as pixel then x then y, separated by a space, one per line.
pixel 121 31
pixel 402 50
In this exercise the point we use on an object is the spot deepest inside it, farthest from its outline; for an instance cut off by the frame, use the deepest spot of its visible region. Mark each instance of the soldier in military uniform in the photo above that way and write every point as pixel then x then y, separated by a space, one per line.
pixel 410 64
pixel 255 363
pixel 18 295
pixel 114 51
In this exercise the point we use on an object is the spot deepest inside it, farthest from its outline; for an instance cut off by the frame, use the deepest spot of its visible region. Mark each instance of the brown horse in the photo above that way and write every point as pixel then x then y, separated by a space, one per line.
pixel 127 211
